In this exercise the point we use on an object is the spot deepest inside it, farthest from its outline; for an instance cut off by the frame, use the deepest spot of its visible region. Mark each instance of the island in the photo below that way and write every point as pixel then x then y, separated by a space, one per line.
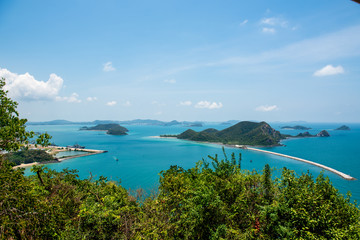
pixel 110 128
pixel 297 127
pixel 343 128
pixel 323 133
pixel 138 122
pixel 196 125
pixel 230 122
pixel 243 133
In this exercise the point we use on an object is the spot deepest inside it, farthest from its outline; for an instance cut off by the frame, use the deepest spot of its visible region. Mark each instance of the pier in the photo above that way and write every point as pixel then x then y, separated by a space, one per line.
pixel 343 175
pixel 87 152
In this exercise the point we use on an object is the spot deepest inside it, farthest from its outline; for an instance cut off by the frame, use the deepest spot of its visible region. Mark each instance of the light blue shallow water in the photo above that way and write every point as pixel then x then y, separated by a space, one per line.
pixel 141 157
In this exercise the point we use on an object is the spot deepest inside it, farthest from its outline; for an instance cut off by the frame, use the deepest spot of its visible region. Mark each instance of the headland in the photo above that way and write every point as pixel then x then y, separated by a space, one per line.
pixel 53 150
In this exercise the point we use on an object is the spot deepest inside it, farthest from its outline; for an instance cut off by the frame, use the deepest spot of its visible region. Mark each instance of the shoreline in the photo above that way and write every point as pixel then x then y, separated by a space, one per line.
pixel 56 149
pixel 24 165
pixel 217 143
pixel 252 148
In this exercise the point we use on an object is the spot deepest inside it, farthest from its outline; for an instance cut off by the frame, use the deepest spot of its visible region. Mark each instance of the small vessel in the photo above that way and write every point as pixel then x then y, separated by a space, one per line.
pixel 76 146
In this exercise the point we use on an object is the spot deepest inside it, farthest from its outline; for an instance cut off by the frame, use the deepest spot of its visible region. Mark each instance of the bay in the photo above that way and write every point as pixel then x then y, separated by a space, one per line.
pixel 136 159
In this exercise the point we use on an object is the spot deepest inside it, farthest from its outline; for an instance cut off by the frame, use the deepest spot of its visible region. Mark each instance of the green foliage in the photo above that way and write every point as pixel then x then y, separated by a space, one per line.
pixel 12 128
pixel 29 156
pixel 245 133
pixel 213 200
pixel 13 134
pixel 310 209
pixel 118 130
pixel 110 128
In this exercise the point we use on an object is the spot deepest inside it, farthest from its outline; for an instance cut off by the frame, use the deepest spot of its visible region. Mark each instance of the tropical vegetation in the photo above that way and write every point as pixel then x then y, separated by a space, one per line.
pixel 215 199
pixel 29 156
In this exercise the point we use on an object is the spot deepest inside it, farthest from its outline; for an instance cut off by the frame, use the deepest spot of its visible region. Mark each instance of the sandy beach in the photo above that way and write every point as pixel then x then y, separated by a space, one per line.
pixel 24 165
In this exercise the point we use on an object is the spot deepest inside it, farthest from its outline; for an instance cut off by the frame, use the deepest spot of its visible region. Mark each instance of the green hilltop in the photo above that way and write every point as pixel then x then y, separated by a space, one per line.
pixel 110 128
pixel 243 133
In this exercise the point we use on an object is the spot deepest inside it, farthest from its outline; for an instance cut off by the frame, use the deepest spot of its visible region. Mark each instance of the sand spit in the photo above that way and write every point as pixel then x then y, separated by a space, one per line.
pixel 343 175
pixel 56 149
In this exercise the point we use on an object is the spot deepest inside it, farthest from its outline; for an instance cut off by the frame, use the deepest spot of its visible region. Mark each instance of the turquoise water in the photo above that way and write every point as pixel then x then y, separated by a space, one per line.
pixel 141 157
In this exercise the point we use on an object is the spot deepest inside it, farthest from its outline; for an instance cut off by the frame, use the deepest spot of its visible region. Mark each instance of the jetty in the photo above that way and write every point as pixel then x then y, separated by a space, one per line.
pixel 343 175
pixel 87 152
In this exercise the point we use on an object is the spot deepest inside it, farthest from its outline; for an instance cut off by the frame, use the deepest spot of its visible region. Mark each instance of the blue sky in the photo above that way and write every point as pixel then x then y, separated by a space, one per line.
pixel 186 60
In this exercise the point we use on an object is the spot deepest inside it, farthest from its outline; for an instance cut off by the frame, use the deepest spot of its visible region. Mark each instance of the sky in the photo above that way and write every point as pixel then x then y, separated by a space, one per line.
pixel 262 60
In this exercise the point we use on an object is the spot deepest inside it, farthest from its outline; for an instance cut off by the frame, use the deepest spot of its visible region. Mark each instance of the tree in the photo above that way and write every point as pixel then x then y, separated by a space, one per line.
pixel 267 183
pixel 19 209
pixel 12 128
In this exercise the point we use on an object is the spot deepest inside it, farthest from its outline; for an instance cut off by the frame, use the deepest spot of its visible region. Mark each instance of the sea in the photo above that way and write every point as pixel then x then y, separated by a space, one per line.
pixel 137 159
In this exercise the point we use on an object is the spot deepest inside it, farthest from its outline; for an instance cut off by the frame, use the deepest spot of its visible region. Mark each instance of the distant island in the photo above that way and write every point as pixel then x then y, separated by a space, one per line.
pixel 143 122
pixel 323 133
pixel 230 122
pixel 297 127
pixel 344 128
pixel 110 128
pixel 242 133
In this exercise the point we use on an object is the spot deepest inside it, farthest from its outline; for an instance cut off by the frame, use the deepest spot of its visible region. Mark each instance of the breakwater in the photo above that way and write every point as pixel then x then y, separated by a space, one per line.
pixel 341 174
pixel 87 152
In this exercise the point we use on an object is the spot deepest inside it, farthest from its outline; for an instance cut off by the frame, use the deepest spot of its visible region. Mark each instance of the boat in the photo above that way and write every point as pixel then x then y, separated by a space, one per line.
pixel 76 146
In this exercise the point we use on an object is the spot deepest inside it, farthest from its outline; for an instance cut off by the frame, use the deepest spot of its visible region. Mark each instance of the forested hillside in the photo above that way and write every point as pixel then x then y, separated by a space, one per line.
pixel 244 133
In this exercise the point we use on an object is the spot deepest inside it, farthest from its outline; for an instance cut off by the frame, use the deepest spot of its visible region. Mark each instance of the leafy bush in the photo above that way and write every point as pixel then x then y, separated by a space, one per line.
pixel 29 156
pixel 213 200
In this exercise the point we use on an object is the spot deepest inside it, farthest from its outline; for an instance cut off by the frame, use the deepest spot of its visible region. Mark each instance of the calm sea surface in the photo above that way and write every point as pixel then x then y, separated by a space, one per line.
pixel 141 157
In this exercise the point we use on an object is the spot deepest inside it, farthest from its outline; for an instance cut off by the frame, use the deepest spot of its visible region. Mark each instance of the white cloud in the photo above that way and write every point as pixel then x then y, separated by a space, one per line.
pixel 172 81
pixel 25 86
pixel 267 108
pixel 268 30
pixel 268 21
pixel 269 25
pixel 108 67
pixel 274 21
pixel 329 70
pixel 111 103
pixel 208 105
pixel 244 22
pixel 160 104
pixel 185 103
pixel 91 99
pixel 127 104
pixel 73 98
